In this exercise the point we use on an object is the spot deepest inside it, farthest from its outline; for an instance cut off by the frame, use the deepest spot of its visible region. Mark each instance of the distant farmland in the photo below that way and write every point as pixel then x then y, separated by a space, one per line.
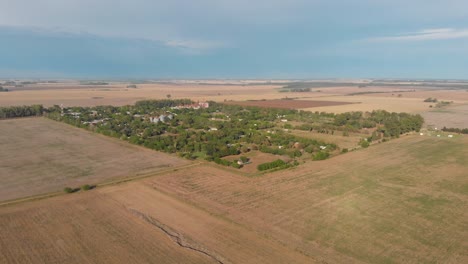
pixel 39 156
pixel 286 104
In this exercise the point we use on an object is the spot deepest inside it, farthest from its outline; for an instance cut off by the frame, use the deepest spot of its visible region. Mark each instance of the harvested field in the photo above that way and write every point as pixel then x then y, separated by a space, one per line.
pixel 38 155
pixel 397 204
pixel 130 223
pixel 287 104
pixel 369 103
pixel 85 228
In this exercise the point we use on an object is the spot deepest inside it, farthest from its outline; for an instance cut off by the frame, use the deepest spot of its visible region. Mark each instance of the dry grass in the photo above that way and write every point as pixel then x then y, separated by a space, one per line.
pixel 39 155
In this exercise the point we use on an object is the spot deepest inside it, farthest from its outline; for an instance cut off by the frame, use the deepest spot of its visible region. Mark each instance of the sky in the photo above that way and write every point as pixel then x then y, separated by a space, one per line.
pixel 199 39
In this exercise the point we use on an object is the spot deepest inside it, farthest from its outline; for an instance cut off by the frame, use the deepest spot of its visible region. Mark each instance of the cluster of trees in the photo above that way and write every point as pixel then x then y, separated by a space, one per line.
pixel 228 163
pixel 431 100
pixel 389 124
pixel 384 123
pixel 85 187
pixel 21 111
pixel 442 104
pixel 277 164
pixel 321 155
pixel 210 133
pixel 155 104
pixel 456 130
pixel 296 90
pixel 93 83
pixel 3 89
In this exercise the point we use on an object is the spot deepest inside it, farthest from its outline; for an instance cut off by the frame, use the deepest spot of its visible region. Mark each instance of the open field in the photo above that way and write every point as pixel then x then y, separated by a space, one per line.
pixel 369 103
pixel 401 201
pixel 85 228
pixel 130 223
pixel 450 116
pixel 39 156
pixel 286 104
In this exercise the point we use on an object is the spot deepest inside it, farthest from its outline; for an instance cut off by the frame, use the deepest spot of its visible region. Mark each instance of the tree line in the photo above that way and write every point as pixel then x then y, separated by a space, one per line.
pixel 21 111
pixel 456 130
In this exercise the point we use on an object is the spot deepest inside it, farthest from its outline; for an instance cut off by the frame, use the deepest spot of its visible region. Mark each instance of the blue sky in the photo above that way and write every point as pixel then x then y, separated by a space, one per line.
pixel 234 39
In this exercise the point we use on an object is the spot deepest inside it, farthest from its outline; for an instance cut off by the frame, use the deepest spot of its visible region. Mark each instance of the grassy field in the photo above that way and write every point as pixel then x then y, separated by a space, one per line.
pixel 403 201
pixel 39 155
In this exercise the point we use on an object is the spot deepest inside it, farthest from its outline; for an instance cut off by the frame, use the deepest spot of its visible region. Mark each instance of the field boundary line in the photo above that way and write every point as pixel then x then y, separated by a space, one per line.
pixel 99 185
pixel 30 198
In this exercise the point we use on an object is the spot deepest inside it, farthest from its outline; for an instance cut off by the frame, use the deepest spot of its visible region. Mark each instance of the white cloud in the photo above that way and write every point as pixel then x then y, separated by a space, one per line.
pixel 426 34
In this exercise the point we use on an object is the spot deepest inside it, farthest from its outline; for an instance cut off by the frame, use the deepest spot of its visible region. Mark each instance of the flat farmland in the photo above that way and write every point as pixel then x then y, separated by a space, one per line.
pixel 130 223
pixel 38 156
pixel 390 203
pixel 286 104
pixel 85 228
pixel 72 93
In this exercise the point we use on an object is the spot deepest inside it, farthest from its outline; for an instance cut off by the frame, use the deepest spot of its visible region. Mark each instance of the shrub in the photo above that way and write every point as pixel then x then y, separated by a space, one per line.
pixel 364 143
pixel 345 150
pixel 321 155
pixel 68 190
pixel 86 187
pixel 431 100
pixel 271 165
pixel 244 159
